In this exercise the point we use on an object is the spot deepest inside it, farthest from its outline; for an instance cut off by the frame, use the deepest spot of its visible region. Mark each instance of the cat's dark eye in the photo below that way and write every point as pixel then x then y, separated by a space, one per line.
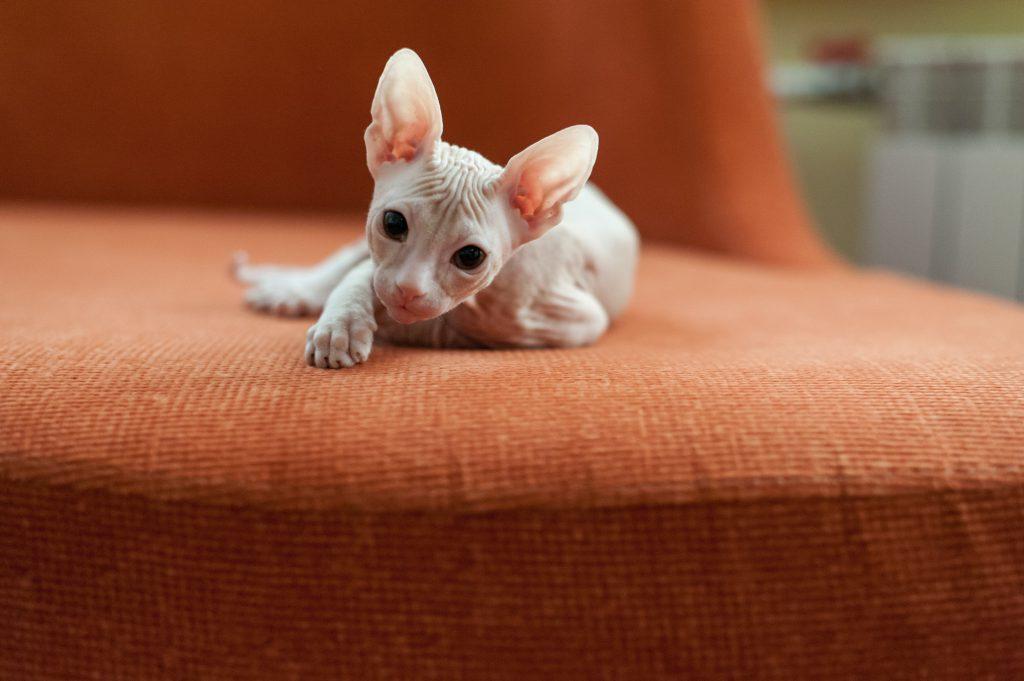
pixel 395 226
pixel 468 257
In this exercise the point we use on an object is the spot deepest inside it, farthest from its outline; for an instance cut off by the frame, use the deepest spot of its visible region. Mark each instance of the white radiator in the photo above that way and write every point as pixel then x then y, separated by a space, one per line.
pixel 946 182
pixel 950 209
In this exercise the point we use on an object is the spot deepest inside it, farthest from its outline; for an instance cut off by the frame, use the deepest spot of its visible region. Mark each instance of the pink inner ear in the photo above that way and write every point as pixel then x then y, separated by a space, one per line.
pixel 406 141
pixel 529 193
pixel 525 204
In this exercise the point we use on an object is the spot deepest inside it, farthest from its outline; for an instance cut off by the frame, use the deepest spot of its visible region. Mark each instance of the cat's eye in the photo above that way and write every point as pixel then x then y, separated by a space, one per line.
pixel 395 226
pixel 468 257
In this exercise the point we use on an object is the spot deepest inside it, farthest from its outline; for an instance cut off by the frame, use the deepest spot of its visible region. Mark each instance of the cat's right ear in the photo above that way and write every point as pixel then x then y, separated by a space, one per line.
pixel 406 114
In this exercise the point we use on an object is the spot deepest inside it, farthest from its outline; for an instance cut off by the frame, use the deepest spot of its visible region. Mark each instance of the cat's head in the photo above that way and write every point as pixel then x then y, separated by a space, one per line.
pixel 444 220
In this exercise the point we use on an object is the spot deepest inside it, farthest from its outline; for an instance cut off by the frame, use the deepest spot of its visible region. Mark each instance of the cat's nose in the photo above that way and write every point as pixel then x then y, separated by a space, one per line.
pixel 408 292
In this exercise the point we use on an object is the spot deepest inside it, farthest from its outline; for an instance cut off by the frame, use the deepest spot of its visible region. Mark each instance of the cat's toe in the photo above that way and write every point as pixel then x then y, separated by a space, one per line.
pixel 322 341
pixel 360 342
pixel 338 356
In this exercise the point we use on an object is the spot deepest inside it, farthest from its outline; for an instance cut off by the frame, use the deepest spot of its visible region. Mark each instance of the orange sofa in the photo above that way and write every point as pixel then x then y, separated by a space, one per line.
pixel 773 467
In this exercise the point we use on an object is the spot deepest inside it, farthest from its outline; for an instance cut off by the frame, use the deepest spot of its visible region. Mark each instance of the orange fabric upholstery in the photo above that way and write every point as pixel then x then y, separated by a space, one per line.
pixel 264 104
pixel 757 473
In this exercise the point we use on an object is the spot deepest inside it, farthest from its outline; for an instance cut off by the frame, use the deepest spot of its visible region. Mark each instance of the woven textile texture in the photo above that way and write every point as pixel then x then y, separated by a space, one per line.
pixel 757 473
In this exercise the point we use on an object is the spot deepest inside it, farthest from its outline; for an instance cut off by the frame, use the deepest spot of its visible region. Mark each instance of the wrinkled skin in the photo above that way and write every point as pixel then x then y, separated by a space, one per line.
pixel 558 258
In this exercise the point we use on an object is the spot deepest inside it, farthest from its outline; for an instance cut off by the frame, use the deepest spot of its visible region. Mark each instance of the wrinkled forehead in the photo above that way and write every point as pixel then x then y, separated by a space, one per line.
pixel 449 176
pixel 455 196
pixel 451 192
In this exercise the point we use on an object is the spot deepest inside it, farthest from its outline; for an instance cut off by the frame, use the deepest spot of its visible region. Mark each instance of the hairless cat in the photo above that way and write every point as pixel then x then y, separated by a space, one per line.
pixel 460 252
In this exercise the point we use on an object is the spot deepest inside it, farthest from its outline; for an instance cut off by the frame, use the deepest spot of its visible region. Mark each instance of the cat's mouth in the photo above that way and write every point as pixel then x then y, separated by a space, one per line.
pixel 406 312
pixel 405 315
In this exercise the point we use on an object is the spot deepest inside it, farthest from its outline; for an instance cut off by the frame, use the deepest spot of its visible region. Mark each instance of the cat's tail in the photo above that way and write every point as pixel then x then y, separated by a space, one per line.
pixel 244 273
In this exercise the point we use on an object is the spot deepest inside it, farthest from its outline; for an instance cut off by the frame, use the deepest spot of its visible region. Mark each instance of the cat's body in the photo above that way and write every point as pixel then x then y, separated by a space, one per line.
pixel 461 252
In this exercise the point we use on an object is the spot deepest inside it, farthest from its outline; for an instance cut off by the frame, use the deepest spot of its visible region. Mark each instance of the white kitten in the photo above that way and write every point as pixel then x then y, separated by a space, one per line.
pixel 460 252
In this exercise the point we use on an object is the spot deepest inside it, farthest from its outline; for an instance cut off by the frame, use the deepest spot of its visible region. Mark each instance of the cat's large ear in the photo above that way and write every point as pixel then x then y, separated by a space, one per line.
pixel 406 114
pixel 540 179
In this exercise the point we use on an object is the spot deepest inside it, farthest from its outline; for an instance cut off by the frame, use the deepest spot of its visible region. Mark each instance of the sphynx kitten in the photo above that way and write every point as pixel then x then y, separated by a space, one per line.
pixel 460 252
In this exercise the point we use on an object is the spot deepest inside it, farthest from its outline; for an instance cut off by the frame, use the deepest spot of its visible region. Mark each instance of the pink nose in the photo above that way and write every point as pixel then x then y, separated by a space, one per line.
pixel 408 293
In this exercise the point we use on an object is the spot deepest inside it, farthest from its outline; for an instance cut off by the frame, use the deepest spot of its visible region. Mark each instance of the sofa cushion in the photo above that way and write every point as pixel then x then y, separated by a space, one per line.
pixel 130 361
pixel 755 469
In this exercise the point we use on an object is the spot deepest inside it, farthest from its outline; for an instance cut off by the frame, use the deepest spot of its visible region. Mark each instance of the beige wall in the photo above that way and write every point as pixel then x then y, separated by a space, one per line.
pixel 829 141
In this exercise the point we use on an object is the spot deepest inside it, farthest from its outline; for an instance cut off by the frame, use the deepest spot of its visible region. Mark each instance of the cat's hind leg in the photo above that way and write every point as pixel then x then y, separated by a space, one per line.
pixel 567 317
pixel 295 291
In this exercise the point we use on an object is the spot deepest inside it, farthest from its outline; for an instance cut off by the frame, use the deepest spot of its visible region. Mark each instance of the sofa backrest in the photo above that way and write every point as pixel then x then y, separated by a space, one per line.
pixel 262 103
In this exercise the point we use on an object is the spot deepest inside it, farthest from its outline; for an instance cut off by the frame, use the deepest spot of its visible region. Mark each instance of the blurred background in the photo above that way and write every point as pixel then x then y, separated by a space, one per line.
pixel 905 121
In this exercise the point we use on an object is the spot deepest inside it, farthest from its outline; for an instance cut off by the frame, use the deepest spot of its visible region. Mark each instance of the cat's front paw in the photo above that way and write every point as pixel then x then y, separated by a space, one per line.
pixel 342 340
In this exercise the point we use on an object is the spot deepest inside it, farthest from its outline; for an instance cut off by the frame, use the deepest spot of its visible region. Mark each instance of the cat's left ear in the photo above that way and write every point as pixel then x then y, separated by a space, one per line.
pixel 538 181
pixel 406 114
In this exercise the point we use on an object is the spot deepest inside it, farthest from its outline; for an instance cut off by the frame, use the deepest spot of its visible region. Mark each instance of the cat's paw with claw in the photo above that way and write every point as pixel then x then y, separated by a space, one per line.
pixel 284 291
pixel 285 296
pixel 340 341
